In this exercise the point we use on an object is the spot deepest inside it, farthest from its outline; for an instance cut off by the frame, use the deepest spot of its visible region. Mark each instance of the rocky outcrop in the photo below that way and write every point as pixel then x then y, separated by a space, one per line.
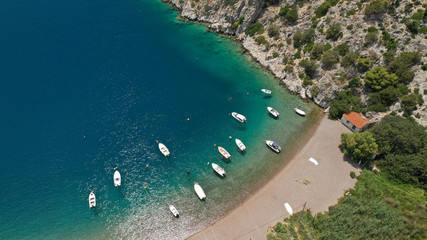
pixel 233 17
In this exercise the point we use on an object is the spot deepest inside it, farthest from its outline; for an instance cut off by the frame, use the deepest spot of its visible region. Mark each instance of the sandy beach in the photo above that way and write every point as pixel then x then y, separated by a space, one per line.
pixel 301 181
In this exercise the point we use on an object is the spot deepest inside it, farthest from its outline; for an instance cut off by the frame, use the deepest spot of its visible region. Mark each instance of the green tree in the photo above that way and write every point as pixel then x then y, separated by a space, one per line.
pixel 343 102
pixel 370 38
pixel 378 79
pixel 359 146
pixel 334 32
pixel 342 49
pixel 329 59
pixel 273 30
pixel 349 59
pixel 364 64
pixel 409 168
pixel 317 50
pixel 292 15
pixel 284 10
pixel 409 102
pixel 376 8
pixel 255 28
pixel 397 135
pixel 310 67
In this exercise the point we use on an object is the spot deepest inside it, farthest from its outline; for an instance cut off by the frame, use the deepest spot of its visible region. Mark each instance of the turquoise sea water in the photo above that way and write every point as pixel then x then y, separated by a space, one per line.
pixel 87 86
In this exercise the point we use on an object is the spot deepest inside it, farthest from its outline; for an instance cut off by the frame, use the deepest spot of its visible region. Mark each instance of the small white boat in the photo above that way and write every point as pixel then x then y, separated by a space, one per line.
pixel 273 112
pixel 266 91
pixel 239 117
pixel 92 200
pixel 224 152
pixel 218 169
pixel 274 146
pixel 289 209
pixel 174 211
pixel 299 111
pixel 117 179
pixel 199 191
pixel 240 145
pixel 164 149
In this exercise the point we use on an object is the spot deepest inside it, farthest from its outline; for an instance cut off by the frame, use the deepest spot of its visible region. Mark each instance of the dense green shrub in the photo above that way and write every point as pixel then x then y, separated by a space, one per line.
pixel 329 59
pixel 349 59
pixel 317 50
pixel 255 28
pixel 261 40
pixel 364 64
pixel 292 15
pixel 342 49
pixel 354 82
pixel 371 38
pixel 413 26
pixel 322 10
pixel 376 8
pixel 409 102
pixel 359 146
pixel 310 67
pixel 301 38
pixel 389 42
pixel 284 10
pixel 380 101
pixel 273 30
pixel 343 102
pixel 379 78
pixel 409 168
pixel 401 65
pixel 334 32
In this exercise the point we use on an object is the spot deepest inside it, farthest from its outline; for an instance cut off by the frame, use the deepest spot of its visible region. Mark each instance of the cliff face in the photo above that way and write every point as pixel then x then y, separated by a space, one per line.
pixel 282 57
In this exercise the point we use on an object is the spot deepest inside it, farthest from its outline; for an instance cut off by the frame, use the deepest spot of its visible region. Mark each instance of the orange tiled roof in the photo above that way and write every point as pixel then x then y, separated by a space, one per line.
pixel 357 119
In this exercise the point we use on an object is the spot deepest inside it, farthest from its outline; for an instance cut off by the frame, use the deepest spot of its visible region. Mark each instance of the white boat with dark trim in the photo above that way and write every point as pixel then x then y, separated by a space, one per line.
pixel 266 91
pixel 274 146
pixel 239 117
pixel 218 169
pixel 299 111
pixel 240 145
pixel 174 211
pixel 273 112
pixel 117 179
pixel 92 200
pixel 164 149
pixel 224 152
pixel 199 191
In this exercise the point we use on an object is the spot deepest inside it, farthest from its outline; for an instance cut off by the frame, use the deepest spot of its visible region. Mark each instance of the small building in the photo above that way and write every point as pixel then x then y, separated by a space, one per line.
pixel 355 121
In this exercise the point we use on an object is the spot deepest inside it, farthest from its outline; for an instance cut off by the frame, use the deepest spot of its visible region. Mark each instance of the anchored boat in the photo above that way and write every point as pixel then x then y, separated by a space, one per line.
pixel 299 111
pixel 218 169
pixel 240 145
pixel 199 191
pixel 174 211
pixel 239 117
pixel 274 146
pixel 224 152
pixel 273 112
pixel 117 179
pixel 266 91
pixel 164 149
pixel 92 200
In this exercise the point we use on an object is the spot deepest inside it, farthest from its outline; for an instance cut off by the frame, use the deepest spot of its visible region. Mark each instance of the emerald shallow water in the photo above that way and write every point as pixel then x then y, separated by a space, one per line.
pixel 125 74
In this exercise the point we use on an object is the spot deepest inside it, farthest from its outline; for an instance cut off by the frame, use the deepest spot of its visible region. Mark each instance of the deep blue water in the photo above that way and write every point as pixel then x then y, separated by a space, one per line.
pixel 86 86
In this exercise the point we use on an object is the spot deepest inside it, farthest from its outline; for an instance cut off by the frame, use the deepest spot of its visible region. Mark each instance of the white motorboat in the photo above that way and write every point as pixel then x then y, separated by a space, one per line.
pixel 164 149
pixel 274 146
pixel 199 191
pixel 299 111
pixel 266 91
pixel 240 145
pixel 218 169
pixel 224 152
pixel 117 179
pixel 239 117
pixel 273 112
pixel 174 211
pixel 92 200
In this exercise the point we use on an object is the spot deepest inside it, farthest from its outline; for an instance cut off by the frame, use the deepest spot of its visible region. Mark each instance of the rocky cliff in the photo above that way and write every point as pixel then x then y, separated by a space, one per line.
pixel 284 43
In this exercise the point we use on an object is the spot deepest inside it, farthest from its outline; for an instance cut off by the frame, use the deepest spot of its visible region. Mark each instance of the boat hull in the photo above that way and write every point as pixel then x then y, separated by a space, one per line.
pixel 117 179
pixel 92 200
pixel 224 152
pixel 199 191
pixel 164 149
pixel 239 117
pixel 219 170
pixel 240 145
pixel 270 144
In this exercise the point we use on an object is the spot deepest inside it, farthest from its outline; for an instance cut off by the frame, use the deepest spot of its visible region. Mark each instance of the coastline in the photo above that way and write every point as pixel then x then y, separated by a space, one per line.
pixel 297 182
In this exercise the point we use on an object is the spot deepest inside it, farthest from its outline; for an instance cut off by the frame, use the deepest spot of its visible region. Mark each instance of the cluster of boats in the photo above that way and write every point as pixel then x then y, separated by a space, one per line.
pixel 218 169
